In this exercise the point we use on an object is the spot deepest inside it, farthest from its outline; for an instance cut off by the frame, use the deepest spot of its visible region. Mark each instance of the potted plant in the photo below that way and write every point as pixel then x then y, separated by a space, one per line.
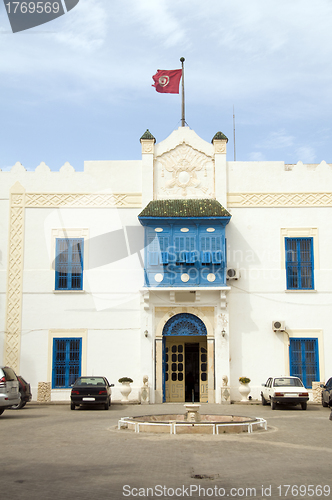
pixel 244 388
pixel 125 387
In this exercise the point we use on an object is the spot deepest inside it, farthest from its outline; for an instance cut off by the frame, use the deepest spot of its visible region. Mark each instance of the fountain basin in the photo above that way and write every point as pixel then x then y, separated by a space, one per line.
pixel 206 424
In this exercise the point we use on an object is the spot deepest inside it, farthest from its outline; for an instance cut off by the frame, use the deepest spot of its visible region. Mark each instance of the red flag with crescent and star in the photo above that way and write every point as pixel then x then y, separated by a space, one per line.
pixel 167 81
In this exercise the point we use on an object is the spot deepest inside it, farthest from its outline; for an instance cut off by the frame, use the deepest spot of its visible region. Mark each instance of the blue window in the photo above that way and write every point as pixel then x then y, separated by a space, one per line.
pixel 66 361
pixel 174 254
pixel 69 264
pixel 158 250
pixel 185 249
pixel 211 250
pixel 303 356
pixel 299 263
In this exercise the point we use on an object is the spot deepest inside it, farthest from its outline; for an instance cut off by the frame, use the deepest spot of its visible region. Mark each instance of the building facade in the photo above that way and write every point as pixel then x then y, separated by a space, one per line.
pixel 181 266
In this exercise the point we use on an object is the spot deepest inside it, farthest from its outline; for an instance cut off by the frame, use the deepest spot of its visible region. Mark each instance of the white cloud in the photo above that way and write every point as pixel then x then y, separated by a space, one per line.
pixel 256 156
pixel 84 29
pixel 270 59
pixel 157 20
pixel 277 140
pixel 306 154
pixel 243 50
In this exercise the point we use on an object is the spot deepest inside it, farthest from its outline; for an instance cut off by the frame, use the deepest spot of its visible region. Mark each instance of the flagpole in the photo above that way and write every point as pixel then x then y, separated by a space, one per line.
pixel 183 121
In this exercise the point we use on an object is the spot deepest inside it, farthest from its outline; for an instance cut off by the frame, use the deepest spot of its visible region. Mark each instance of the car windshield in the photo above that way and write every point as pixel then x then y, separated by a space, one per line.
pixel 287 382
pixel 90 381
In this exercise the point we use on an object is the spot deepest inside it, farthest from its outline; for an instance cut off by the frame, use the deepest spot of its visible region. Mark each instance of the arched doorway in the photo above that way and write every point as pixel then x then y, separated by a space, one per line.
pixel 185 370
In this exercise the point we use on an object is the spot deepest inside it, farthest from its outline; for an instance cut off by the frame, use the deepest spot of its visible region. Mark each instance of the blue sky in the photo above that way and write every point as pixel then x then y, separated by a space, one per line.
pixel 79 88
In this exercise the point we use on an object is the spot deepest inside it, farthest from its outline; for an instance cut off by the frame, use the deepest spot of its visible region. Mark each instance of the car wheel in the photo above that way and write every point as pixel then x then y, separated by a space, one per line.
pixel 323 402
pixel 72 406
pixel 264 402
pixel 19 406
pixel 273 405
pixel 1 411
pixel 304 405
pixel 107 404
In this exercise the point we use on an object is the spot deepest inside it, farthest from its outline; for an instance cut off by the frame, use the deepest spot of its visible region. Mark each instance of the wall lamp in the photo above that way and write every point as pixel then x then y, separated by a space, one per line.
pixel 223 332
pixel 146 333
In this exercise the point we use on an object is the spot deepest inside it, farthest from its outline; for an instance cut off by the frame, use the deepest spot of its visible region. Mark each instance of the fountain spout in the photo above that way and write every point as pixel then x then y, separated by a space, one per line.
pixel 192 414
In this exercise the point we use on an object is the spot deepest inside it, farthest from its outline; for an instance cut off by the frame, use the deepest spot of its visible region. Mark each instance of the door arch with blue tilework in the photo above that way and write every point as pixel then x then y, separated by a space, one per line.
pixel 185 363
pixel 184 324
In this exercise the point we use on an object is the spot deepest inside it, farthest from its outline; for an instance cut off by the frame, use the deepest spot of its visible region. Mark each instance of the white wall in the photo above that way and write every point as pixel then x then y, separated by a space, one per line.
pixel 255 246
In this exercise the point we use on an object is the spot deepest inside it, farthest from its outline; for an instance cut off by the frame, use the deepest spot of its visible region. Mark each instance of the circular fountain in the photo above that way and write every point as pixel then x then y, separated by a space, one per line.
pixel 192 422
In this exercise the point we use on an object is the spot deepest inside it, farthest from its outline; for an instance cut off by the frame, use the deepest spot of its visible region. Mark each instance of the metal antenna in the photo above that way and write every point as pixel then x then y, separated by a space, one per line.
pixel 234 133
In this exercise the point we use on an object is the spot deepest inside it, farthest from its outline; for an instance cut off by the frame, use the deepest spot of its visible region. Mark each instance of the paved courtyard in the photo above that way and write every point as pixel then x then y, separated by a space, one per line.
pixel 50 452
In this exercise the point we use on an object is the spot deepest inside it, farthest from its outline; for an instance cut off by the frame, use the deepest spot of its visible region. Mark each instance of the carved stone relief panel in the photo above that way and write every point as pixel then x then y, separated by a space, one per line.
pixel 184 172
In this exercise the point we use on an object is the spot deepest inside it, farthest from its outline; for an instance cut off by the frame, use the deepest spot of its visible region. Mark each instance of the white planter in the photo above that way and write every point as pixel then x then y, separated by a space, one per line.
pixel 125 391
pixel 244 390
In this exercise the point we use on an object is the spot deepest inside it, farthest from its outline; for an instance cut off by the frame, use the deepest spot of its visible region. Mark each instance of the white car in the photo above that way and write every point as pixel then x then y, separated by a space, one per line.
pixel 284 390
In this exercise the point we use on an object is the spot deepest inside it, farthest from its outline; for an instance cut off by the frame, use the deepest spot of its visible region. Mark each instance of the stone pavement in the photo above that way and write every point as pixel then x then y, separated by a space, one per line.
pixel 49 452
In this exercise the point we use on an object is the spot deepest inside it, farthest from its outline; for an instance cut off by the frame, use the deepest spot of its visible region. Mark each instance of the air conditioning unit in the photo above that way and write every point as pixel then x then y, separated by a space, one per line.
pixel 232 274
pixel 278 326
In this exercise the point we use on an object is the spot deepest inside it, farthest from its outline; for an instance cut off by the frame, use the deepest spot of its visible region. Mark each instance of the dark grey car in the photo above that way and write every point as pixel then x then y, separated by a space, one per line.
pixel 25 391
pixel 327 393
pixel 91 391
pixel 9 388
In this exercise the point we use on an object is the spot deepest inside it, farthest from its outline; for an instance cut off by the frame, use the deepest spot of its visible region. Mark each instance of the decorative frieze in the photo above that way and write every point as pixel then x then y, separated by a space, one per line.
pixel 77 200
pixel 15 277
pixel 279 200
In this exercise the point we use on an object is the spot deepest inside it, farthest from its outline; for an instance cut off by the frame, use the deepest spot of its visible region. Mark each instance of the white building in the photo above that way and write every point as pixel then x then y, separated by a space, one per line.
pixel 122 270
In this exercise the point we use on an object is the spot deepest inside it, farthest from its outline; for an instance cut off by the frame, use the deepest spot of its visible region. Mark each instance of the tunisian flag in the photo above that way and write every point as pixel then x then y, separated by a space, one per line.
pixel 167 81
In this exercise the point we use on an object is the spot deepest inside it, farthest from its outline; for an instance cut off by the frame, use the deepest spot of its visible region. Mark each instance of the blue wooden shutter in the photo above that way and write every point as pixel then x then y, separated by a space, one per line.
pixel 76 277
pixel 216 250
pixel 69 264
pixel 66 361
pixel 211 251
pixel 303 360
pixel 306 262
pixel 180 249
pixel 299 263
pixel 190 254
pixel 205 250
pixel 62 264
pixel 153 250
pixel 163 242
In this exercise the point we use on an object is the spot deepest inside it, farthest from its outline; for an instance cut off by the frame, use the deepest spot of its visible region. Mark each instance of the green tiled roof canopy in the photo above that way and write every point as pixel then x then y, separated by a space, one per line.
pixel 219 136
pixel 184 208
pixel 148 136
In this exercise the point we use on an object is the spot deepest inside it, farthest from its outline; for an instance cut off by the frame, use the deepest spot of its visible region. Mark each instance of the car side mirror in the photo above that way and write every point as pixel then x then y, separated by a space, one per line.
pixel 263 385
pixel 111 385
pixel 322 386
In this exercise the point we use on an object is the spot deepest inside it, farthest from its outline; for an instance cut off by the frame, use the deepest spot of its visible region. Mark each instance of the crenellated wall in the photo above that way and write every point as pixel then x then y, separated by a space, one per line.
pixel 279 184
pixel 98 176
